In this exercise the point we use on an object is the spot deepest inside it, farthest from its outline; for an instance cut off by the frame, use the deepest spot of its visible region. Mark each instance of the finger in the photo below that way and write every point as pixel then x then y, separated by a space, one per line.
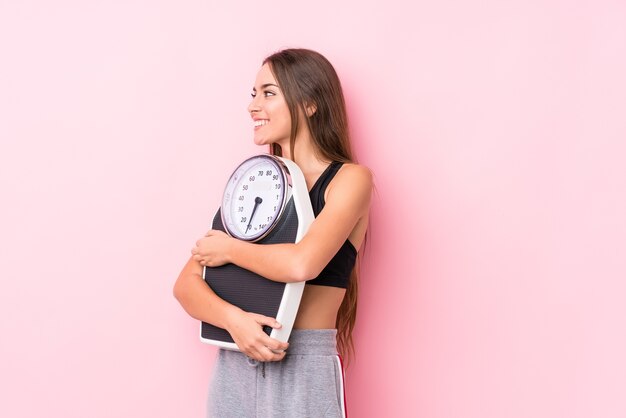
pixel 263 350
pixel 272 343
pixel 266 320
pixel 269 355
pixel 277 346
pixel 266 354
pixel 255 353
pixel 251 354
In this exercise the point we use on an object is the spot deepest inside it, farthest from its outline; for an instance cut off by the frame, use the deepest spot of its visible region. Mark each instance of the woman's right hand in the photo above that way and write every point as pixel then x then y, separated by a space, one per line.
pixel 246 329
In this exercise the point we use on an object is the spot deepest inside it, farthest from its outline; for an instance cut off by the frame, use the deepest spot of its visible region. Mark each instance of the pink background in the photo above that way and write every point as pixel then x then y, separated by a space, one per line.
pixel 493 284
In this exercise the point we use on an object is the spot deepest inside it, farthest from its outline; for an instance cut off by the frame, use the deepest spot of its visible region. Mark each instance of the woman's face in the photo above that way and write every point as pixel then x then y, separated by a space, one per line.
pixel 269 111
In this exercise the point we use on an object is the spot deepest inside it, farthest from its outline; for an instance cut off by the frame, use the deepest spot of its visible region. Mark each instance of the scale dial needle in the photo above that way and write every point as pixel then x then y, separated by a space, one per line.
pixel 257 202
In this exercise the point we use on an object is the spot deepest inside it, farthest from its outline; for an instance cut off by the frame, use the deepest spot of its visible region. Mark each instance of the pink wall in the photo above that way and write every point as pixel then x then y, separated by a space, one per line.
pixel 494 280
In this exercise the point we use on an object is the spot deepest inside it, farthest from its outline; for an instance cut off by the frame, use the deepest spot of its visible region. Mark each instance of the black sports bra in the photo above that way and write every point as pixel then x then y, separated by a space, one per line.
pixel 337 272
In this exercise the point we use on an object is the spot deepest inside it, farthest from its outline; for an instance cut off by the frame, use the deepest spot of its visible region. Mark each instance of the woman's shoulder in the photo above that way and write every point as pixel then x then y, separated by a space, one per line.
pixel 353 180
pixel 350 172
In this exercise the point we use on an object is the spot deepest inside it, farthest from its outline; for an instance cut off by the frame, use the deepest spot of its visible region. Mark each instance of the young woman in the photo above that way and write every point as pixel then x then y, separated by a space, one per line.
pixel 298 111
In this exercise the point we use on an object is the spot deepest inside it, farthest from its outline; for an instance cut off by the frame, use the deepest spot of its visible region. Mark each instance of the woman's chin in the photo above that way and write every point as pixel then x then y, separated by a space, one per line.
pixel 264 140
pixel 260 141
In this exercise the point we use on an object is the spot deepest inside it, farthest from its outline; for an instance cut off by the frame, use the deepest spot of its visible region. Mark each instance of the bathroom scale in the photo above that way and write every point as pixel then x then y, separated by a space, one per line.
pixel 266 201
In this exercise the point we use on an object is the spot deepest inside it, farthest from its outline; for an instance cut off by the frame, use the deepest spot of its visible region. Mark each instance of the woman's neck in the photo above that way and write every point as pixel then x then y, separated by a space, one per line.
pixel 305 154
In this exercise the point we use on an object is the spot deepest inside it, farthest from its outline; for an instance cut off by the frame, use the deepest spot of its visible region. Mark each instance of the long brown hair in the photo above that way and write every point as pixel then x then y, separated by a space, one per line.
pixel 307 78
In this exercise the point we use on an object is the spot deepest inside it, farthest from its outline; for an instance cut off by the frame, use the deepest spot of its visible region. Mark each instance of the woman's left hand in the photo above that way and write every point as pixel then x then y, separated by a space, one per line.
pixel 213 249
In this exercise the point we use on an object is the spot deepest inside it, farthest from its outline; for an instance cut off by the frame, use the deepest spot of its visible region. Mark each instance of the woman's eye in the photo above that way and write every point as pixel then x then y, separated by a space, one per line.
pixel 266 93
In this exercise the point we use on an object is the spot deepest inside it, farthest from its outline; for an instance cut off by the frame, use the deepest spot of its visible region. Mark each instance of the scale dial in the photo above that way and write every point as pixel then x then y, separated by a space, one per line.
pixel 255 197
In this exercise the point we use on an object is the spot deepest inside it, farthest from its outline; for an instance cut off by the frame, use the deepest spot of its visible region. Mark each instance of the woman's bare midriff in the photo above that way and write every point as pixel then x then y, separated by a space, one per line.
pixel 318 307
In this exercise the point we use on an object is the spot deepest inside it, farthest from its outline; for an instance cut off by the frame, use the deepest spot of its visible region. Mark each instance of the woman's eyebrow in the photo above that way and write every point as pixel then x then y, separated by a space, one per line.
pixel 266 85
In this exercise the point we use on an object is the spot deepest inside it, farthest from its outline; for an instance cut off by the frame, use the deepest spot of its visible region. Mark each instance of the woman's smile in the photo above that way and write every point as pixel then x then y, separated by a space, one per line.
pixel 260 122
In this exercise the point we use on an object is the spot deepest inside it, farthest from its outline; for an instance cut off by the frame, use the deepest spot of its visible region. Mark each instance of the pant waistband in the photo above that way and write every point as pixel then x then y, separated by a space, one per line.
pixel 321 342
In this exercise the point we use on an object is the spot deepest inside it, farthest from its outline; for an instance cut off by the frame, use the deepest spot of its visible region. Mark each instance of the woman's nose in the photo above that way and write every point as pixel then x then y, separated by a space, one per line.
pixel 253 106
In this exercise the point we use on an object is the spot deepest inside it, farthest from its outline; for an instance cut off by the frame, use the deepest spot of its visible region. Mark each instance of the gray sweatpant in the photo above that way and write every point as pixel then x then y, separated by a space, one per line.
pixel 307 383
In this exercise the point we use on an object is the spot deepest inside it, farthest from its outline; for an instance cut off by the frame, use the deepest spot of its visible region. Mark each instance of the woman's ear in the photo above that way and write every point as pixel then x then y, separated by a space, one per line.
pixel 310 109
